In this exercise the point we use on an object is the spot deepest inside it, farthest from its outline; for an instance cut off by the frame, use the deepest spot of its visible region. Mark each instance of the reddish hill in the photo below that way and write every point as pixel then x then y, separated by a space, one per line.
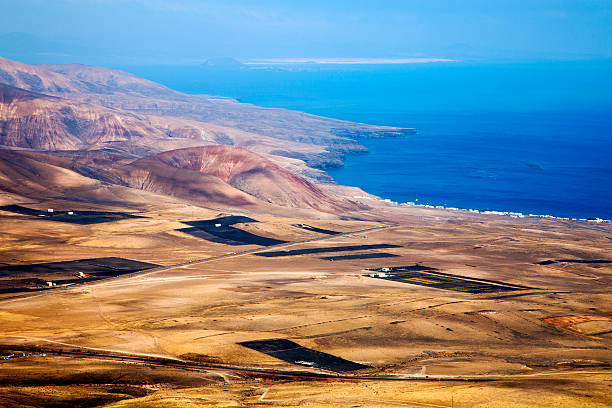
pixel 219 176
pixel 152 175
pixel 250 173
pixel 42 122
pixel 32 175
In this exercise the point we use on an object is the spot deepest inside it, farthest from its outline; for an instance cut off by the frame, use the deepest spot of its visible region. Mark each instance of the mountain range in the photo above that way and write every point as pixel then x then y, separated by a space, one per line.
pixel 98 127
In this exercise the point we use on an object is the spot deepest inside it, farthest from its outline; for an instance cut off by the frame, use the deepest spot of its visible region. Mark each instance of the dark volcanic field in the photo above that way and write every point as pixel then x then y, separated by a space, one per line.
pixel 34 277
pixel 274 254
pixel 77 217
pixel 315 229
pixel 220 230
pixel 292 352
pixel 360 256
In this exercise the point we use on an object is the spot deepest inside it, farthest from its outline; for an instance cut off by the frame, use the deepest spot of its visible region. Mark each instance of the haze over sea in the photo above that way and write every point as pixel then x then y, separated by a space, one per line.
pixel 531 137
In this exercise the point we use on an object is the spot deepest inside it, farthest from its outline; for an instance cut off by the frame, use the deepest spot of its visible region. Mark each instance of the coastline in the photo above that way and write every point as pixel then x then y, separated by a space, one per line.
pixel 511 214
pixel 490 173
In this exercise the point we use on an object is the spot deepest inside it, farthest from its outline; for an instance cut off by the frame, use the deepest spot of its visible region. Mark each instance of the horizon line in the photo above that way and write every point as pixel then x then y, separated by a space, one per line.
pixel 347 61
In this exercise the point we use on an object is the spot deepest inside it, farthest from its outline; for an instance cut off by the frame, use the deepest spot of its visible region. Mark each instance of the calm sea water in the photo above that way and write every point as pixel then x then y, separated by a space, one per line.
pixel 526 137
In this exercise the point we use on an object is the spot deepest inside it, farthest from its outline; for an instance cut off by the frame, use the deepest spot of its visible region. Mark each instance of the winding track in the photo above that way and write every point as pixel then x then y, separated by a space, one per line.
pixel 189 365
pixel 290 375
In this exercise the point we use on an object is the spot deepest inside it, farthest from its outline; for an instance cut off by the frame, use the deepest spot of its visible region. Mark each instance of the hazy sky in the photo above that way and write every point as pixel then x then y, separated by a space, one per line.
pixel 182 30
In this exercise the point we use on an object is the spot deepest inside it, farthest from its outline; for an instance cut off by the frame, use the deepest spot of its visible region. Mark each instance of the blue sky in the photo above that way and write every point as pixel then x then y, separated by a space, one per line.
pixel 183 30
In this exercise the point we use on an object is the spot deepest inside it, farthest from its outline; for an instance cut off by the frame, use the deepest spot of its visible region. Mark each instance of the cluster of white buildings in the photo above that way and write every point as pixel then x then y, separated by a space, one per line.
pixel 486 212
pixel 17 355
pixel 379 275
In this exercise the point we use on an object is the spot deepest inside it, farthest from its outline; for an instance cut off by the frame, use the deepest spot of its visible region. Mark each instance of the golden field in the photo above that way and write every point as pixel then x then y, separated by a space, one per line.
pixel 535 344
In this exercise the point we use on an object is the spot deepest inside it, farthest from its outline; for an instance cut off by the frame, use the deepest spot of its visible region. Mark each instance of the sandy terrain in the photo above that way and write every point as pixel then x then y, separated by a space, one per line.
pixel 545 335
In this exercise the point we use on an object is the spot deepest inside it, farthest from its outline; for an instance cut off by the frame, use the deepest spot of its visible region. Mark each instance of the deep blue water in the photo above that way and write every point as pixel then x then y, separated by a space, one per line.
pixel 529 137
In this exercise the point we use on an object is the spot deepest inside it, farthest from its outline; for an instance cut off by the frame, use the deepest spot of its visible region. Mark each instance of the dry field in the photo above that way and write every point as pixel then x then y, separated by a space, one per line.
pixel 545 344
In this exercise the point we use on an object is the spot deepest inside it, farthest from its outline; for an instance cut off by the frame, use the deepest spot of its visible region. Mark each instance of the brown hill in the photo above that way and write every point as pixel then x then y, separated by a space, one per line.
pixel 33 175
pixel 329 138
pixel 44 176
pixel 26 176
pixel 36 121
pixel 102 80
pixel 42 122
pixel 218 176
pixel 241 169
pixel 77 81
pixel 154 176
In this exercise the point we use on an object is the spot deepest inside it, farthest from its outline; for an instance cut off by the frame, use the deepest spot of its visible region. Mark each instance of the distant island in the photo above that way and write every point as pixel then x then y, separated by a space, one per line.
pixel 225 62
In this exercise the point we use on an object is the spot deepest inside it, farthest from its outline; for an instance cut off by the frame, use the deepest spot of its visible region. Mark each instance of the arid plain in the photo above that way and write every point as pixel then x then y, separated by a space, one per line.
pixel 200 312
pixel 380 304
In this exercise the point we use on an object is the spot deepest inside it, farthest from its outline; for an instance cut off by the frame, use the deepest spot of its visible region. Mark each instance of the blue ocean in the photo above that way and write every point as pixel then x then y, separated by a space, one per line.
pixel 530 137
